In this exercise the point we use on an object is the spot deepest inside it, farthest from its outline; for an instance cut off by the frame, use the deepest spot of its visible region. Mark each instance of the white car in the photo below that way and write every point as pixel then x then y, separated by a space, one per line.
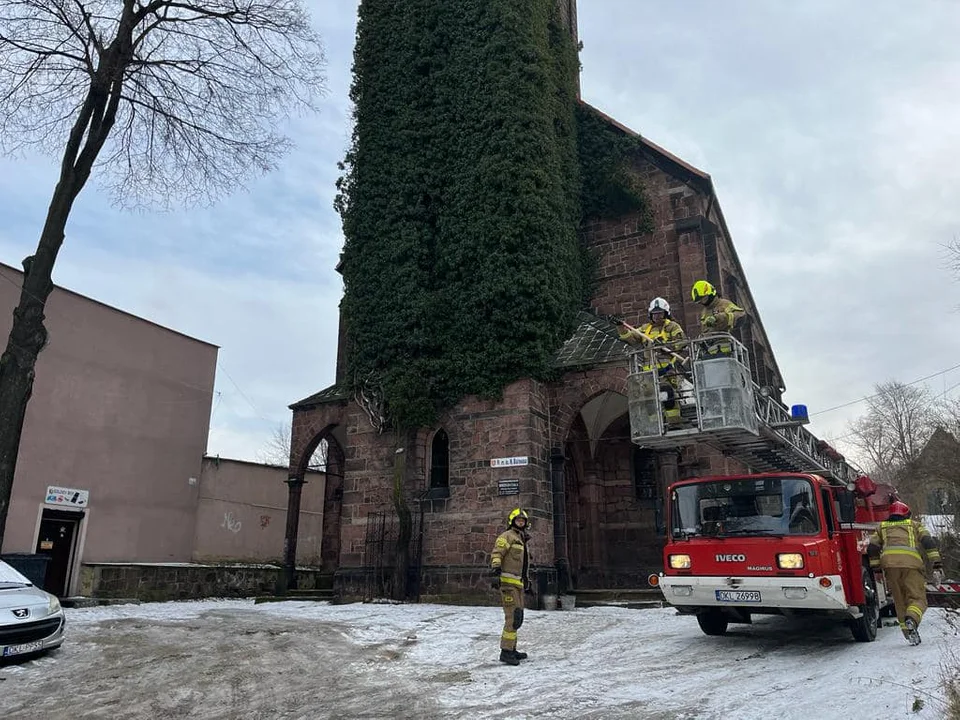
pixel 31 619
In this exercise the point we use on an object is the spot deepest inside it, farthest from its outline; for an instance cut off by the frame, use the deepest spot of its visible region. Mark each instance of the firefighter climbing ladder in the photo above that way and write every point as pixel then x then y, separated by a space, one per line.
pixel 720 404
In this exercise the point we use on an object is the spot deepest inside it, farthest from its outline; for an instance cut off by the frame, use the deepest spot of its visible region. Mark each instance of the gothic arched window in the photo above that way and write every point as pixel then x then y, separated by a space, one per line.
pixel 440 460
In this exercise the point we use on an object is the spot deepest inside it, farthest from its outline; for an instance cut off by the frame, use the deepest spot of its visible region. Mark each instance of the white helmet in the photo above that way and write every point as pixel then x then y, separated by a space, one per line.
pixel 658 303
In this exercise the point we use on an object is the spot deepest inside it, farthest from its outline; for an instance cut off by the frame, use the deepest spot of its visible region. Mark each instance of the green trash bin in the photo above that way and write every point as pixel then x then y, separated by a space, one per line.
pixel 33 565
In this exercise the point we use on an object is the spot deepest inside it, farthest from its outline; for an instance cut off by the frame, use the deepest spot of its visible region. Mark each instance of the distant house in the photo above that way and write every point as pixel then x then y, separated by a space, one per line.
pixel 931 485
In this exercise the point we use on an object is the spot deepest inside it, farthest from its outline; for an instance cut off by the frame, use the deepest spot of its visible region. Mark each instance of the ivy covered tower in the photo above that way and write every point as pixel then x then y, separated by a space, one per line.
pixel 493 223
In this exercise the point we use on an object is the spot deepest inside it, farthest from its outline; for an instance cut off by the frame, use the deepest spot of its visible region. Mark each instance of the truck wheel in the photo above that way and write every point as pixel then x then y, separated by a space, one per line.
pixel 864 628
pixel 712 622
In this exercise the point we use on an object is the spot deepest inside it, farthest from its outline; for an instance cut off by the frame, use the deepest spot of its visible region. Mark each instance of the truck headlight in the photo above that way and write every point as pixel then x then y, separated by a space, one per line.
pixel 790 561
pixel 680 562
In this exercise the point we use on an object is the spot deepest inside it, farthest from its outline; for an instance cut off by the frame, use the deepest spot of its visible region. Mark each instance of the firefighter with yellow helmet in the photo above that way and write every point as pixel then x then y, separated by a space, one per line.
pixel 510 566
pixel 718 314
pixel 898 546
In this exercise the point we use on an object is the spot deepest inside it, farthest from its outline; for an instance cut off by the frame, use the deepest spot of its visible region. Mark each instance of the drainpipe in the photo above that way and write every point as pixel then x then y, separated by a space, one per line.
pixel 288 580
pixel 557 481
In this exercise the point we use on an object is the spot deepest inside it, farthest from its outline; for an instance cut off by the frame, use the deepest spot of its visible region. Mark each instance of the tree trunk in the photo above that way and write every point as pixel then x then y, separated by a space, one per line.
pixel 28 336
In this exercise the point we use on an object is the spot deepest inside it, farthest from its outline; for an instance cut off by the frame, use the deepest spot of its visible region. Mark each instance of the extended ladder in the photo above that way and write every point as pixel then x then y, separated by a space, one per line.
pixel 711 398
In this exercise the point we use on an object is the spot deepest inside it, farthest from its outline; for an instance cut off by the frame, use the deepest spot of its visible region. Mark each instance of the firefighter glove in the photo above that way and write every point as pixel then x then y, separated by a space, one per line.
pixel 495 574
pixel 937 576
pixel 710 320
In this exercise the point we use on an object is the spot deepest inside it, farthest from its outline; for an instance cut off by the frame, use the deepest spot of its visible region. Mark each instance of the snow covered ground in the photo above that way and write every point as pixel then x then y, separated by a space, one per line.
pixel 233 659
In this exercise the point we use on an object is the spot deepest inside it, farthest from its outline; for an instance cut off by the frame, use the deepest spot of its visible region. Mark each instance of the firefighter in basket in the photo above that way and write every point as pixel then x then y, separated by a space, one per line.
pixel 718 315
pixel 662 333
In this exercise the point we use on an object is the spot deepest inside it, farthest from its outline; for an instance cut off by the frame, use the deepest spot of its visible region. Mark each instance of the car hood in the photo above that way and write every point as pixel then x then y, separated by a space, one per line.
pixel 23 597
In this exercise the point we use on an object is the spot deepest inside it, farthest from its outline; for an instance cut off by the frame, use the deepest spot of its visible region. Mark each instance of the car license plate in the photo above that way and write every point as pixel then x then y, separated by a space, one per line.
pixel 20 649
pixel 738 596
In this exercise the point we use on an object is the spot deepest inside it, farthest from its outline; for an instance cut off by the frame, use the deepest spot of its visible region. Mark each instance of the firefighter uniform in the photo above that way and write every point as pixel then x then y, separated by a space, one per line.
pixel 510 562
pixel 718 315
pixel 898 547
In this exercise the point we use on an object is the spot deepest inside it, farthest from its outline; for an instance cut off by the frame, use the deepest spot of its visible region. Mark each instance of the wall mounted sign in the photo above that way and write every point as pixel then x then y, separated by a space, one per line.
pixel 510 486
pixel 67 497
pixel 509 462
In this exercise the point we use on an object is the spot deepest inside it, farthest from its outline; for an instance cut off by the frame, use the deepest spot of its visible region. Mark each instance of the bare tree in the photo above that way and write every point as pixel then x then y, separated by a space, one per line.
pixel 277 451
pixel 165 97
pixel 891 435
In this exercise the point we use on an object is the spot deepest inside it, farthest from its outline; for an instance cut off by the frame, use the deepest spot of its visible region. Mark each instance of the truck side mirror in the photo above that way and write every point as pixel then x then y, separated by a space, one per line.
pixel 848 507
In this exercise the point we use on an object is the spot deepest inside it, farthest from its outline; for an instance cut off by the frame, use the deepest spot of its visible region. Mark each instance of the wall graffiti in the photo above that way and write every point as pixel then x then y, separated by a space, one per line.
pixel 264 521
pixel 231 523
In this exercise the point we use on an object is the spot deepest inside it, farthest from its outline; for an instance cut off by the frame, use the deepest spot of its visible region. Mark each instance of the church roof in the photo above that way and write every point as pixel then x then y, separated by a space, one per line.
pixel 594 342
pixel 334 393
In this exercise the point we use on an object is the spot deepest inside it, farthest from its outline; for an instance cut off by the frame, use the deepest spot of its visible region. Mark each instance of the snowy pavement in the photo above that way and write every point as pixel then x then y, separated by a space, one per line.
pixel 231 659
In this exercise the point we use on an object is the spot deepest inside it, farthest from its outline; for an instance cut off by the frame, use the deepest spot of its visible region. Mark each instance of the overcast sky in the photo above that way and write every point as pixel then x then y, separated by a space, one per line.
pixel 831 129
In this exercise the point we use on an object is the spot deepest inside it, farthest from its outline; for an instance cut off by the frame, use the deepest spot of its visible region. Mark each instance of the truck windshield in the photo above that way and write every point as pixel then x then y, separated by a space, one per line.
pixel 730 508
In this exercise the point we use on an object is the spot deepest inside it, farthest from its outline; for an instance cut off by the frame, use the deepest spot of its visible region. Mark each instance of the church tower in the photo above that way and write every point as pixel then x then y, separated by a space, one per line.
pixel 568 16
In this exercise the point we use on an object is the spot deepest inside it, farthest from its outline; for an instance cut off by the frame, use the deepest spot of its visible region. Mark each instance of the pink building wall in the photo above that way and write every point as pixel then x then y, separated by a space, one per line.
pixel 242 510
pixel 121 408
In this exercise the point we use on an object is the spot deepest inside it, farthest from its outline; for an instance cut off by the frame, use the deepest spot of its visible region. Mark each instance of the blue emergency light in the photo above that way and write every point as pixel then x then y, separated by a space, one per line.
pixel 799 413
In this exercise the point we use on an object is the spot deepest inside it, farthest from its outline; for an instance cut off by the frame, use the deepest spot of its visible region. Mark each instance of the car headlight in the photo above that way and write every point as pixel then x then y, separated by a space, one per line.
pixel 54 605
pixel 680 562
pixel 790 561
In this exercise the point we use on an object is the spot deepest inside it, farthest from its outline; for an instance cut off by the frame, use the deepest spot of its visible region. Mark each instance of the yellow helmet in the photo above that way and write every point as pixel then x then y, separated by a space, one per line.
pixel 702 289
pixel 515 513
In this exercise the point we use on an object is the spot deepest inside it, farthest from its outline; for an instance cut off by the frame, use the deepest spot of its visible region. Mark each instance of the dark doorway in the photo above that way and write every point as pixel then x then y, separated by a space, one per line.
pixel 57 540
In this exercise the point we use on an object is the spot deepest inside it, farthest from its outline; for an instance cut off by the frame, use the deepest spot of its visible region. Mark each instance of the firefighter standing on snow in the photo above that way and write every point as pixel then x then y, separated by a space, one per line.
pixel 898 547
pixel 510 563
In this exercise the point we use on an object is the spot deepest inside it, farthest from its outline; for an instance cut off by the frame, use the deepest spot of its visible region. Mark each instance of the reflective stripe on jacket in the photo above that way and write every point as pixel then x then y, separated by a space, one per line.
pixel 510 555
pixel 669 332
pixel 902 544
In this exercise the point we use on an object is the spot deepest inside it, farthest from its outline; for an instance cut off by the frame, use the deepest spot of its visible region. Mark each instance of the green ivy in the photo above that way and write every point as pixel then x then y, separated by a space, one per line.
pixel 461 199
pixel 610 187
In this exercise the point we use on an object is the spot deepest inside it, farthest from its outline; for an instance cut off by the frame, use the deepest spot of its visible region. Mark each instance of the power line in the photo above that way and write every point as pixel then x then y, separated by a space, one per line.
pixel 870 397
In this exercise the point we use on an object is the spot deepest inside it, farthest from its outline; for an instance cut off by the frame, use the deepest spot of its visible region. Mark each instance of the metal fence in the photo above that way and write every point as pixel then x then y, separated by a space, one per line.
pixel 380 555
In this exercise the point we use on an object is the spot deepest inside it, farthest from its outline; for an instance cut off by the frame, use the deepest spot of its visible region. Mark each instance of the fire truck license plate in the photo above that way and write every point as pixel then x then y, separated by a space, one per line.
pixel 738 596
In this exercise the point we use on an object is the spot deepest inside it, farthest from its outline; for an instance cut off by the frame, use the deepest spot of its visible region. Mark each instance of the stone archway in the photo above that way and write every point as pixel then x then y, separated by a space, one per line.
pixel 324 454
pixel 612 491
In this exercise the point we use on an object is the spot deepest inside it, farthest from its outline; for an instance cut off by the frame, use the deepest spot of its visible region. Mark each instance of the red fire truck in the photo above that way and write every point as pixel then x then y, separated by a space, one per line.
pixel 788 538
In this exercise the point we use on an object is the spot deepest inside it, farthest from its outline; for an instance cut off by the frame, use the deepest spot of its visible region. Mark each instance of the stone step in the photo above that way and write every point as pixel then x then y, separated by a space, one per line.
pixel 633 598
pixel 87 602
pixel 293 598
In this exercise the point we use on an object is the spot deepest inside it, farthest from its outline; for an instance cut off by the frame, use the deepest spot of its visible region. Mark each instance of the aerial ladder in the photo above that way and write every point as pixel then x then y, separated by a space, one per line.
pixel 709 382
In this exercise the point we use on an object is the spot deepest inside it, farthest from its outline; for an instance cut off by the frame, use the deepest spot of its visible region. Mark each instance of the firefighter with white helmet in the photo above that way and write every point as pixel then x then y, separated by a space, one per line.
pixel 659 327
pixel 898 546
pixel 660 330
pixel 510 566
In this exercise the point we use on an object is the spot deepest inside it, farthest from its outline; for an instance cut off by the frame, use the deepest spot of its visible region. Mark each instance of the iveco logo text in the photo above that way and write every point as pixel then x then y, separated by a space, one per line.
pixel 731 558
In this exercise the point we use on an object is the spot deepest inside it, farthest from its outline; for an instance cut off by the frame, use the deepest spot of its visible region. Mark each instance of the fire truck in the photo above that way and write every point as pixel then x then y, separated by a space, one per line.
pixel 790 536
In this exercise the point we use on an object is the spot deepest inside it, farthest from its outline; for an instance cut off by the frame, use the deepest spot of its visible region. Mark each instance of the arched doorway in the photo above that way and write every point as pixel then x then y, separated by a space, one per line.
pixel 613 499
pixel 324 454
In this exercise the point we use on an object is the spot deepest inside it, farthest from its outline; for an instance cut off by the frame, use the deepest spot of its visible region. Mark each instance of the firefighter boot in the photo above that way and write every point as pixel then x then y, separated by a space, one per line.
pixel 509 657
pixel 910 631
pixel 520 655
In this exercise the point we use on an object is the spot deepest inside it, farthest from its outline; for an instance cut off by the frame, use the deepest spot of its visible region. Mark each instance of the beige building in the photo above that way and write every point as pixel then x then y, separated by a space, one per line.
pixel 111 466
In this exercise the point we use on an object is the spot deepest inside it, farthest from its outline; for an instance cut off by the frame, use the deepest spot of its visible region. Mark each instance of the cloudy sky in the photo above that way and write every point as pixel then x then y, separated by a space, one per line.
pixel 831 129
